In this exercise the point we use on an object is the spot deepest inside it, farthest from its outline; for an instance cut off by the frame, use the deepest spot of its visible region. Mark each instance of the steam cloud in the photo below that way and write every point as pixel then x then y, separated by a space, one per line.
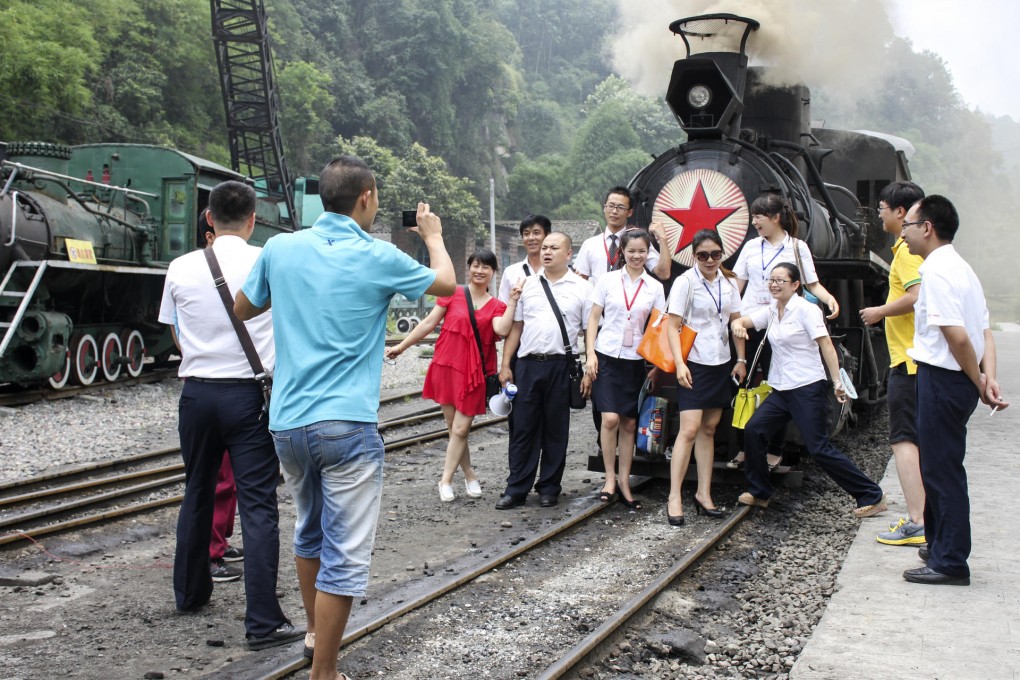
pixel 814 42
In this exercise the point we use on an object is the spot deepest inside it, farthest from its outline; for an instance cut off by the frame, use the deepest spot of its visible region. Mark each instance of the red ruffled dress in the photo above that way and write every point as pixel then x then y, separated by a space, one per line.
pixel 455 375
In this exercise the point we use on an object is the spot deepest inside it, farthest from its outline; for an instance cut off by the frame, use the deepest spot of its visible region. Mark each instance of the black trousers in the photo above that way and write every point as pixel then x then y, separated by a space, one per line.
pixel 945 401
pixel 214 418
pixel 541 426
pixel 806 406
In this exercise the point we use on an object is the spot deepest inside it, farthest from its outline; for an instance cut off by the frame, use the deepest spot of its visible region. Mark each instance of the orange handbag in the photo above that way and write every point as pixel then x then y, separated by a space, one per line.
pixel 655 342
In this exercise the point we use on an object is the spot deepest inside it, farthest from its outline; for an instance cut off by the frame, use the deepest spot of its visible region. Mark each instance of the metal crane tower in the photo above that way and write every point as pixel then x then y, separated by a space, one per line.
pixel 250 98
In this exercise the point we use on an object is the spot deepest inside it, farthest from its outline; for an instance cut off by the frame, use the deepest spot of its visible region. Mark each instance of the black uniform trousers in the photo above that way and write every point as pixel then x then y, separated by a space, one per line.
pixel 945 401
pixel 806 406
pixel 225 416
pixel 541 426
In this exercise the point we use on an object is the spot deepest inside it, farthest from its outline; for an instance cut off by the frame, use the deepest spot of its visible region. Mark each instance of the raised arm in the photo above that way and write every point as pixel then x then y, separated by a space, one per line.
pixel 430 227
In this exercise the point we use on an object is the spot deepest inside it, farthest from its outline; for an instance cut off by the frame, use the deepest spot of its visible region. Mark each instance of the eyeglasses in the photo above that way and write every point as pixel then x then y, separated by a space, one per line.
pixel 704 256
pixel 612 207
pixel 910 224
pixel 778 282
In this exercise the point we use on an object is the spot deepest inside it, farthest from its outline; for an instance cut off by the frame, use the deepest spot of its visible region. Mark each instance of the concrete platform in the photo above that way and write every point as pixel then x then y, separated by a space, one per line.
pixel 878 626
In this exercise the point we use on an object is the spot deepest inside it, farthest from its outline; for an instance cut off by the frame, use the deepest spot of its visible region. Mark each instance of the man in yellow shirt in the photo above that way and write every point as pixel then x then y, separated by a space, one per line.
pixel 898 311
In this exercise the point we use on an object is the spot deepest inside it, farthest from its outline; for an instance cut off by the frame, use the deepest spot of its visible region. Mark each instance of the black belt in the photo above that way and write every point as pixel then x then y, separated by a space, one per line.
pixel 545 357
pixel 221 381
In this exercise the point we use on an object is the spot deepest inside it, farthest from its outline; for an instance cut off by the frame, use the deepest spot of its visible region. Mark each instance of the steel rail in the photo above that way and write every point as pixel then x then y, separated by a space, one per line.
pixel 581 650
pixel 91 484
pixel 86 468
pixel 403 608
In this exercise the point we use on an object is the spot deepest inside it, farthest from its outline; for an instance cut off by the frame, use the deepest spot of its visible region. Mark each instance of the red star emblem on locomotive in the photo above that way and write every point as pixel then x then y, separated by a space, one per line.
pixel 697 216
pixel 700 199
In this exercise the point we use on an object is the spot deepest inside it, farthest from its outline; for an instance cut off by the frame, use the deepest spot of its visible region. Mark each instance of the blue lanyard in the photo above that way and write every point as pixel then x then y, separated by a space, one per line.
pixel 718 303
pixel 764 266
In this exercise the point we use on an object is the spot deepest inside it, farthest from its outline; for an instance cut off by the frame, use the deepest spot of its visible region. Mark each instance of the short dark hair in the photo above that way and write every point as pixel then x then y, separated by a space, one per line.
pixel 231 203
pixel 629 235
pixel 794 272
pixel 940 212
pixel 901 194
pixel 540 220
pixel 342 181
pixel 623 191
pixel 706 235
pixel 770 204
pixel 483 256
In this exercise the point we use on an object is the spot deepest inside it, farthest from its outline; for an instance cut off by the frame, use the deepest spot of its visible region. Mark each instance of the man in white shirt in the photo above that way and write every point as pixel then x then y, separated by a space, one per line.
pixel 538 441
pixel 601 253
pixel 221 408
pixel 534 229
pixel 955 355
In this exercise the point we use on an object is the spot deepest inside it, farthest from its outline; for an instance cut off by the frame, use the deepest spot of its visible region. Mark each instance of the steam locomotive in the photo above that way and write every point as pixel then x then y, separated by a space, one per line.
pixel 86 234
pixel 745 138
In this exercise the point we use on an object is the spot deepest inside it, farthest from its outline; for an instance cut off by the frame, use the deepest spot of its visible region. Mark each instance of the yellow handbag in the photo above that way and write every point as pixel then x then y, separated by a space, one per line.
pixel 748 399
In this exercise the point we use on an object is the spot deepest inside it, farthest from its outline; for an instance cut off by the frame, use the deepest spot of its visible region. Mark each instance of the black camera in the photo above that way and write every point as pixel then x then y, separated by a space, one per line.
pixel 410 218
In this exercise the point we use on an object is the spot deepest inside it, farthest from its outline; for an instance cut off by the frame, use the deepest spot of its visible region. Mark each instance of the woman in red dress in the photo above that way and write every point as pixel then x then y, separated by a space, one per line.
pixel 456 376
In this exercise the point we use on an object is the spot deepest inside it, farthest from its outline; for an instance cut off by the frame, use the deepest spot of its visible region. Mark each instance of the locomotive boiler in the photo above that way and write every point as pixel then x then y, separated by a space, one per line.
pixel 746 137
pixel 86 234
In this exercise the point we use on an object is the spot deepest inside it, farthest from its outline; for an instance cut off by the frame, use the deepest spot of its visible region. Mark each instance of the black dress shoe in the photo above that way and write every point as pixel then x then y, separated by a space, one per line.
pixel 548 500
pixel 934 578
pixel 922 552
pixel 675 520
pixel 508 502
pixel 282 635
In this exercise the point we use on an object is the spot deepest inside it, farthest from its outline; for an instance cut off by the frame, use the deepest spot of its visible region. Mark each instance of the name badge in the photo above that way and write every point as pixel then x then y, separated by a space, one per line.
pixel 763 297
pixel 628 336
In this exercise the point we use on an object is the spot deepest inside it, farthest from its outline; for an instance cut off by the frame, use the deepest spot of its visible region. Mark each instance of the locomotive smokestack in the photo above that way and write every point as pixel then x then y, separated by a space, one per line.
pixel 706 92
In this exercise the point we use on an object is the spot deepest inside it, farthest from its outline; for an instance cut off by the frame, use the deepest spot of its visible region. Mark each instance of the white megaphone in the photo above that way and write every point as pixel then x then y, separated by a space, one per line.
pixel 501 403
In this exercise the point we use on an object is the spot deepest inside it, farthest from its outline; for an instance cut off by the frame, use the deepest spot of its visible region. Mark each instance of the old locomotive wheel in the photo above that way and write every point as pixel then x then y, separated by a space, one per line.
pixel 133 346
pixel 112 355
pixel 86 359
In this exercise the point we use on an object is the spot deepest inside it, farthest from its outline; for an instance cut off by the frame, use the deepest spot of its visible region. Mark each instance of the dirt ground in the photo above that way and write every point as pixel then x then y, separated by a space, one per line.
pixel 99 603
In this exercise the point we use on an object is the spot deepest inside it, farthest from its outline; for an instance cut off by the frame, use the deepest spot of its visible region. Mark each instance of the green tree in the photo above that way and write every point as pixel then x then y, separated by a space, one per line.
pixel 305 105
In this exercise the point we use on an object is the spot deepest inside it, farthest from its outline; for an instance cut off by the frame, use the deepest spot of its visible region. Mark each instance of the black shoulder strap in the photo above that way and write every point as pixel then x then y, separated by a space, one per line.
pixel 239 327
pixel 474 325
pixel 527 272
pixel 567 348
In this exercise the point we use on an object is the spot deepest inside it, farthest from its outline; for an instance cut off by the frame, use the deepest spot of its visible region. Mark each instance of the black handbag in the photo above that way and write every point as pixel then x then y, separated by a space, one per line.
pixel 264 380
pixel 574 368
pixel 492 384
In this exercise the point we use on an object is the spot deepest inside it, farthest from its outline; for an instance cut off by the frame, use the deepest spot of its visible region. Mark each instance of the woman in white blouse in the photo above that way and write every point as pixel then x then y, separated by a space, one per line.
pixel 777 242
pixel 704 380
pixel 797 332
pixel 623 299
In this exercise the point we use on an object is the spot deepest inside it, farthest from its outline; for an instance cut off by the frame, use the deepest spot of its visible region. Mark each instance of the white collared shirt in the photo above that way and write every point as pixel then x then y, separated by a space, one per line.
pixel 592 260
pixel 209 344
pixel 796 360
pixel 612 292
pixel 711 307
pixel 512 274
pixel 541 332
pixel 755 263
pixel 950 295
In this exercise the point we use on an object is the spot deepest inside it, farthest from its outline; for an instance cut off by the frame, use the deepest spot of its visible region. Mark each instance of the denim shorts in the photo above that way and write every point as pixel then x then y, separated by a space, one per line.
pixel 334 471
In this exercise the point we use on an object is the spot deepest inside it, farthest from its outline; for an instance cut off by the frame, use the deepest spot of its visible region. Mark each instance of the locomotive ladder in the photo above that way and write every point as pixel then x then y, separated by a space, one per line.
pixel 9 289
pixel 249 95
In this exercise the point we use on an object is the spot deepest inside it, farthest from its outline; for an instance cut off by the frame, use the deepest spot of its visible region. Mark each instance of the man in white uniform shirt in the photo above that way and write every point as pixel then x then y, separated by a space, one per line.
pixel 534 229
pixel 601 253
pixel 955 355
pixel 221 408
pixel 541 415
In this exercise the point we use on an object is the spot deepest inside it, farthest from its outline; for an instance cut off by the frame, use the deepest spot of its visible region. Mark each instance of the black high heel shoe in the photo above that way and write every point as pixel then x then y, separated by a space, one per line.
pixel 714 513
pixel 675 520
pixel 633 505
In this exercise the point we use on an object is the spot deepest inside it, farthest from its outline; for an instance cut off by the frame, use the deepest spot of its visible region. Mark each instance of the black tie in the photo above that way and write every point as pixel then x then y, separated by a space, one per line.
pixel 612 252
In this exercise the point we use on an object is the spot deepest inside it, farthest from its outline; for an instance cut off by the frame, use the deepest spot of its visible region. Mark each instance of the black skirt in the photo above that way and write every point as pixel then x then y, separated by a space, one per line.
pixel 713 388
pixel 618 385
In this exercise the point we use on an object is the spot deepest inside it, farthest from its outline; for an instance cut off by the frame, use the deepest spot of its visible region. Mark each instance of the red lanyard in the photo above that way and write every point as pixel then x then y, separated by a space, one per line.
pixel 630 303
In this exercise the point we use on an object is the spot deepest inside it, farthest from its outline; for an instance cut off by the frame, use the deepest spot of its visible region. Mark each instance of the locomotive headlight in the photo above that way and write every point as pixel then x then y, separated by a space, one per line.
pixel 699 96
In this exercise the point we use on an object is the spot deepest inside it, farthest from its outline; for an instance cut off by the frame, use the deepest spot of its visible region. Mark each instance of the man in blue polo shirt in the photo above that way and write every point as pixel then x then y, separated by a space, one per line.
pixel 330 287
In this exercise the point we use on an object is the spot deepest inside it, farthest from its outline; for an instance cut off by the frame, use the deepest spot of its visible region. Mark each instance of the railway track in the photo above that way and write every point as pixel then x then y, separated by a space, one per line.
pixel 31 396
pixel 455 601
pixel 98 492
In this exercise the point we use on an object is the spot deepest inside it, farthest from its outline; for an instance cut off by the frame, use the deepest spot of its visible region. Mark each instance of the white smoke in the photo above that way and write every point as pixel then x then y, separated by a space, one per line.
pixel 815 42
